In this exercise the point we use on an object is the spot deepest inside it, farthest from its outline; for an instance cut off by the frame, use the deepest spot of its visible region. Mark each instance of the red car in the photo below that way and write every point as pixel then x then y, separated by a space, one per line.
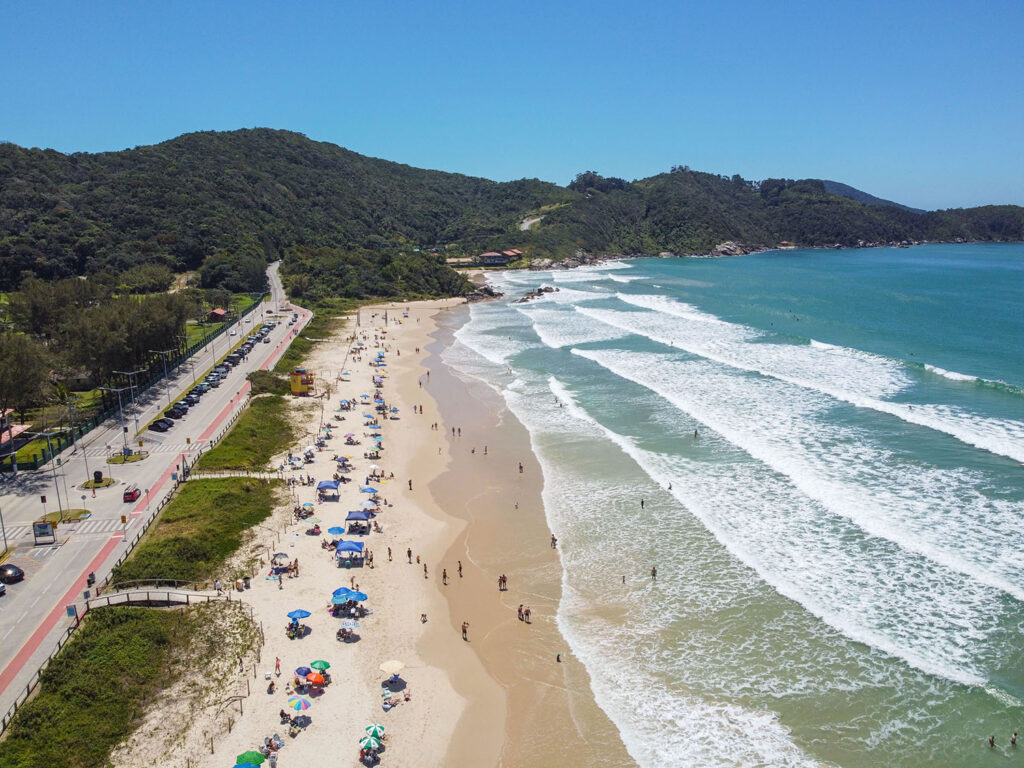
pixel 131 494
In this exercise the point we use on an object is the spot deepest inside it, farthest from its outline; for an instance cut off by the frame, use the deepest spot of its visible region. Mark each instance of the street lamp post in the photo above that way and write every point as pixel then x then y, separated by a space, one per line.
pixel 124 429
pixel 53 467
pixel 167 383
pixel 3 530
pixel 131 382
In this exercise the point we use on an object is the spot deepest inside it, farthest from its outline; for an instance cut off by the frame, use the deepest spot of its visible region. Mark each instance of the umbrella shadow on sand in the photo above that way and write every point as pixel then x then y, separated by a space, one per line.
pixel 395 686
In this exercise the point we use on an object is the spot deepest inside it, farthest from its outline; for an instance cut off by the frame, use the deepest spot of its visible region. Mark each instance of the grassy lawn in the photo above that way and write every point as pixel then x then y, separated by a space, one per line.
pixel 92 694
pixel 122 459
pixel 269 383
pixel 69 514
pixel 263 430
pixel 199 530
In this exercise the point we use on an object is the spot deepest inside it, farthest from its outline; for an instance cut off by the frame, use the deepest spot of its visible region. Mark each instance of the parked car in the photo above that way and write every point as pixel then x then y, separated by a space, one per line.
pixel 131 494
pixel 266 340
pixel 174 413
pixel 158 426
pixel 215 382
pixel 166 422
pixel 10 573
pixel 192 399
pixel 3 589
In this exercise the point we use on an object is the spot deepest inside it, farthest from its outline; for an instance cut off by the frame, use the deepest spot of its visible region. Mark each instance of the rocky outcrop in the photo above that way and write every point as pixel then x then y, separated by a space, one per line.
pixel 536 294
pixel 484 293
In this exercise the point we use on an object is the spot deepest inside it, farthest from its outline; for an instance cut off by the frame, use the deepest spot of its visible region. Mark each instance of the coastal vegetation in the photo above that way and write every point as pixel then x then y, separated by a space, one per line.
pixel 199 530
pixel 93 694
pixel 224 204
pixel 263 430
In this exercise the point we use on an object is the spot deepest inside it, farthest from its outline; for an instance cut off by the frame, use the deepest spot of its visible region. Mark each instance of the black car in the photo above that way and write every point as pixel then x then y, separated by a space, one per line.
pixel 10 573
pixel 174 413
pixel 166 422
pixel 158 426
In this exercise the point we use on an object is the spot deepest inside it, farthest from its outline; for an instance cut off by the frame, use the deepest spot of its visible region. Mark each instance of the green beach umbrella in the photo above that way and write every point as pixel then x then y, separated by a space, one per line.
pixel 376 730
pixel 252 756
pixel 321 665
pixel 369 743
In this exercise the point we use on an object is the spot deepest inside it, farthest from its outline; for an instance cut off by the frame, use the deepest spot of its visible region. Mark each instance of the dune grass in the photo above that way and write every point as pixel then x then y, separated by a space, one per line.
pixel 262 431
pixel 92 694
pixel 199 530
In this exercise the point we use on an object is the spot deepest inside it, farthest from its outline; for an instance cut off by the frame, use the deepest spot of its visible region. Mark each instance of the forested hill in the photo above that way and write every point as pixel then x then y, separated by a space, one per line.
pixel 228 202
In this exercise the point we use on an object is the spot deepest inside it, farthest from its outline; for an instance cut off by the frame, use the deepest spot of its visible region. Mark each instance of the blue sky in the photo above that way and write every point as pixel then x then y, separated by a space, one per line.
pixel 920 102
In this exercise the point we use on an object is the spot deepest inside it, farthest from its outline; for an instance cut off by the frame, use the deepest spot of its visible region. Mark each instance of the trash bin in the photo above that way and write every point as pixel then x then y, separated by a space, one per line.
pixel 246 580
pixel 97 476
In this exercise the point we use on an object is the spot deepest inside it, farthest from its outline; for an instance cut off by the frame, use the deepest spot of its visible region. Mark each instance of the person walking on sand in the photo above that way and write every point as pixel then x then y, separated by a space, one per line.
pixel 444 576
pixel 460 569
pixel 526 614
pixel 520 467
pixel 280 582
pixel 389 554
pixel 277 666
pixel 410 485
pixel 424 570
pixel 465 631
pixel 408 554
pixel 519 612
pixel 241 666
pixel 554 541
pixel 654 572
pixel 218 587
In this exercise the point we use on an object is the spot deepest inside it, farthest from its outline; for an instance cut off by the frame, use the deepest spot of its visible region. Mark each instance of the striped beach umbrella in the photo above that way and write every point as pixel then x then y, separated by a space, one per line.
pixel 368 742
pixel 298 703
pixel 376 730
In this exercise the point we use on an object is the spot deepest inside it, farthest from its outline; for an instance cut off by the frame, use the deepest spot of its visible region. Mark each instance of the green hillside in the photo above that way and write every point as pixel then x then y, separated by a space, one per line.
pixel 226 203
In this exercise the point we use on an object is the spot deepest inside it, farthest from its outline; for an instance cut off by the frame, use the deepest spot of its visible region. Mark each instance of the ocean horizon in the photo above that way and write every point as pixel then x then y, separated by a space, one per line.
pixel 821 451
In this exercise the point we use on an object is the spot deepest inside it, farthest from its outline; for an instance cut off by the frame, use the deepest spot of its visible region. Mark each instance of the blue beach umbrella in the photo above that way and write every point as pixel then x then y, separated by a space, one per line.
pixel 302 671
pixel 357 596
pixel 336 530
pixel 375 426
pixel 368 490
pixel 339 599
pixel 394 410
pixel 299 614
pixel 340 591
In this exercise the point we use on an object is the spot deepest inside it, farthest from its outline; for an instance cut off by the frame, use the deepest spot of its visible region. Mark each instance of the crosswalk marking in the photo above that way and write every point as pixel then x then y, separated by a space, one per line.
pixel 81 527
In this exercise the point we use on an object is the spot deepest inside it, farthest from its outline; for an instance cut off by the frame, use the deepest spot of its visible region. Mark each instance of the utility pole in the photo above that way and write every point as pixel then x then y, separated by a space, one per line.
pixel 131 383
pixel 124 429
pixel 167 384
pixel 3 530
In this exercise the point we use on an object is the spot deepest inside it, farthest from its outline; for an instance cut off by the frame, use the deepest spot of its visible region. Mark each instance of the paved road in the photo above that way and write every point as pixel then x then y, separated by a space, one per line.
pixel 32 614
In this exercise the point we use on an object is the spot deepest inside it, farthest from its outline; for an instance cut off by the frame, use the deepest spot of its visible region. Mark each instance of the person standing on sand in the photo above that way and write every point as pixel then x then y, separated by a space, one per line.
pixel 520 467
pixel 526 614
pixel 444 576
pixel 654 572
pixel 460 569
pixel 280 583
pixel 408 553
pixel 465 631
pixel 410 485
pixel 554 541
pixel 389 554
pixel 277 666
pixel 519 613
pixel 424 570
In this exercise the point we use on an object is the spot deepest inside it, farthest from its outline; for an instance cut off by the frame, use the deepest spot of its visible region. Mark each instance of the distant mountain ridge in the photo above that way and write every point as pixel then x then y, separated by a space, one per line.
pixel 226 202
pixel 845 190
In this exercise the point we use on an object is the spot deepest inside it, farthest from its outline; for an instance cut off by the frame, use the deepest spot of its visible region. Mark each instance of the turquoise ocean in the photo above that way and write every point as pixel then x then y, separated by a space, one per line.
pixel 840 547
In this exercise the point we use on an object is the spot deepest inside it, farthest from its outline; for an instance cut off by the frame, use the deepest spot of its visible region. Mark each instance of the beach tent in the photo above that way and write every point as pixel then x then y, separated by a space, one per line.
pixel 329 485
pixel 359 515
pixel 350 546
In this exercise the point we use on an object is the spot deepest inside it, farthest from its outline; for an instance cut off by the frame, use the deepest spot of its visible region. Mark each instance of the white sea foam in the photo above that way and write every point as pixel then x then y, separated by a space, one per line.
pixel 952 375
pixel 859 378
pixel 934 618
pixel 623 278
pixel 558 328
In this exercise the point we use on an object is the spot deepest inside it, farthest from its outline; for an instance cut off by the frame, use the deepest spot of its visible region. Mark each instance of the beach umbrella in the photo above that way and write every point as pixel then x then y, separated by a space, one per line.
pixel 315 678
pixel 299 614
pixel 368 504
pixel 302 671
pixel 376 730
pixel 365 397
pixel 392 667
pixel 341 591
pixel 357 596
pixel 298 703
pixel 394 410
pixel 321 665
pixel 279 555
pixel 308 505
pixel 377 400
pixel 375 426
pixel 374 466
pixel 247 765
pixel 349 624
pixel 368 742
pixel 351 434
pixel 253 757
pixel 336 530
pixel 368 489
pixel 339 599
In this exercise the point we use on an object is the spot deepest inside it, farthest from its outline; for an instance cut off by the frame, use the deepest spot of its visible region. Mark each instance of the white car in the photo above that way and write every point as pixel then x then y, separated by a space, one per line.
pixel 233 332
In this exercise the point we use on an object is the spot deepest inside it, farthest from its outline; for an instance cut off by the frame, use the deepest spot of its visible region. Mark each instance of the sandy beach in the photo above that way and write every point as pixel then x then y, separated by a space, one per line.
pixel 511 693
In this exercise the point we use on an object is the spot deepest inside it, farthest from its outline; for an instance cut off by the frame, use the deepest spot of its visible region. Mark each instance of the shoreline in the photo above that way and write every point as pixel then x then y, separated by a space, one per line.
pixel 551 708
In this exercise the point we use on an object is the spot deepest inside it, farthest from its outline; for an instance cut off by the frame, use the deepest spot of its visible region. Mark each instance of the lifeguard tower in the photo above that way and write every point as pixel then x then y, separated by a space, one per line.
pixel 302 382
